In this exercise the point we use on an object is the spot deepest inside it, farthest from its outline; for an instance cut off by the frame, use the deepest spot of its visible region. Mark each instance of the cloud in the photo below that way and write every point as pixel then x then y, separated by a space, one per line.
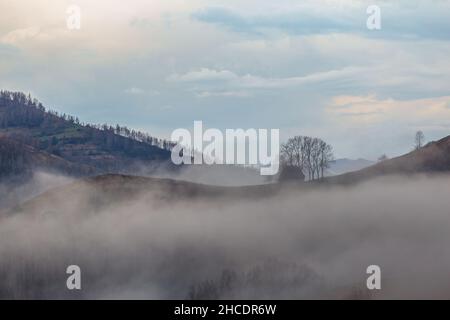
pixel 259 82
pixel 300 22
pixel 295 55
pixel 208 94
pixel 204 74
pixel 224 17
pixel 420 111
pixel 399 19
pixel 20 35
pixel 317 77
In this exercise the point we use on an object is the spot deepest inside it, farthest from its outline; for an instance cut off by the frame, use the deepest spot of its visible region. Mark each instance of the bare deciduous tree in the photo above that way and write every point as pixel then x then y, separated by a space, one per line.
pixel 325 156
pixel 311 155
pixel 419 140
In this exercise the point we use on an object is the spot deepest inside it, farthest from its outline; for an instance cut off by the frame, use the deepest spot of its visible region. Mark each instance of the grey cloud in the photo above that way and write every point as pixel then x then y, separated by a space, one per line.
pixel 259 82
pixel 295 23
pixel 398 20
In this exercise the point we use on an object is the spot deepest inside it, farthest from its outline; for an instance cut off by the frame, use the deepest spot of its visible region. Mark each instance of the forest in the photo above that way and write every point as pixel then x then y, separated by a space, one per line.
pixel 26 121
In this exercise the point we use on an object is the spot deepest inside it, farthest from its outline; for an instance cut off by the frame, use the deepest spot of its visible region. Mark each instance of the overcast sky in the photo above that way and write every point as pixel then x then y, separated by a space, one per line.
pixel 306 67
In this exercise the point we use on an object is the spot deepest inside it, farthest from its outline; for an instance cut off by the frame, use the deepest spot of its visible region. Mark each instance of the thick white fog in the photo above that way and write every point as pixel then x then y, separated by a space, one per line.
pixel 296 244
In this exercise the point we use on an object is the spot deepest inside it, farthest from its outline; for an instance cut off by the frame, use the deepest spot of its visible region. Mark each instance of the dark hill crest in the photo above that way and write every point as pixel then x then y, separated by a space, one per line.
pixel 26 123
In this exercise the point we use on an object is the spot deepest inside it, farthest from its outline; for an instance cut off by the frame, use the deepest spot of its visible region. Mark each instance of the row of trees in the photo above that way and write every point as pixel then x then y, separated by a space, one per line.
pixel 310 155
pixel 134 135
pixel 10 98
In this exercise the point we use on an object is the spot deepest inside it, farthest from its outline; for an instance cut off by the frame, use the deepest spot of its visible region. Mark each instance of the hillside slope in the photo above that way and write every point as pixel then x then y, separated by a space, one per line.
pixel 105 148
pixel 341 166
pixel 19 159
pixel 434 157
pixel 107 190
pixel 115 189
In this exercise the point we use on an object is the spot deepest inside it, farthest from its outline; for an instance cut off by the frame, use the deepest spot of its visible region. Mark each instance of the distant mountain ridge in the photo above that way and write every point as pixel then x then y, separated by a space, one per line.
pixel 77 148
pixel 344 165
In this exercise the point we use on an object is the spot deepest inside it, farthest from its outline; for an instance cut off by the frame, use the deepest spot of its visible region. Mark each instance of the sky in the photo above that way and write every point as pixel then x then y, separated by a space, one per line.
pixel 308 67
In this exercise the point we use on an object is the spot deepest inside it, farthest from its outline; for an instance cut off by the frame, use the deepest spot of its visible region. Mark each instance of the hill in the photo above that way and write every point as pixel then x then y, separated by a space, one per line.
pixel 432 158
pixel 115 189
pixel 20 159
pixel 57 137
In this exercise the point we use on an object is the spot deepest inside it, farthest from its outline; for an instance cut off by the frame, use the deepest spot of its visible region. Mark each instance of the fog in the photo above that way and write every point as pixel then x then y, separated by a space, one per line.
pixel 14 192
pixel 217 175
pixel 299 243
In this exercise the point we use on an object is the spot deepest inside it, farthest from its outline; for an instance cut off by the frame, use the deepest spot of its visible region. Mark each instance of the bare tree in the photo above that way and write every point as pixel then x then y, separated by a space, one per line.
pixel 311 155
pixel 293 153
pixel 419 140
pixel 308 147
pixel 315 166
pixel 326 156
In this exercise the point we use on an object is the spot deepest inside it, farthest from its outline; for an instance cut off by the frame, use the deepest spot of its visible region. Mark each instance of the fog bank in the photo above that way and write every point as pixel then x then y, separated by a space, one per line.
pixel 296 244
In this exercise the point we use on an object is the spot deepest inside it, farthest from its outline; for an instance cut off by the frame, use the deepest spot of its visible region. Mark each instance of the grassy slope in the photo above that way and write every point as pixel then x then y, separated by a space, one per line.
pixel 434 157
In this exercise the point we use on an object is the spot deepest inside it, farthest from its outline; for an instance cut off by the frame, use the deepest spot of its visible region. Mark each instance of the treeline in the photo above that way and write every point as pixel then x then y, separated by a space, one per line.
pixel 17 109
pixel 20 110
pixel 134 135
pixel 310 155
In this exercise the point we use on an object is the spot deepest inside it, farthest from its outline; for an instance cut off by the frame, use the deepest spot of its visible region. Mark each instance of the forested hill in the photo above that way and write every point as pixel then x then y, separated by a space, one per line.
pixel 25 126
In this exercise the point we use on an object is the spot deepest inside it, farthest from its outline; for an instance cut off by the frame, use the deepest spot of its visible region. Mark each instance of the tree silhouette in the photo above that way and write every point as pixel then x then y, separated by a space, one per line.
pixel 311 155
pixel 419 140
